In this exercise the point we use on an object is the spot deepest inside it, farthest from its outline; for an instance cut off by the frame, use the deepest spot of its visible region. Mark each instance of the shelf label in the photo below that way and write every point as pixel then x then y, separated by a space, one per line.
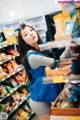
pixel 3 79
pixel 3 116
pixel 5 45
pixel 0 63
pixel 8 76
pixel 15 89
pixel 11 91
pixel 8 94
pixel 13 57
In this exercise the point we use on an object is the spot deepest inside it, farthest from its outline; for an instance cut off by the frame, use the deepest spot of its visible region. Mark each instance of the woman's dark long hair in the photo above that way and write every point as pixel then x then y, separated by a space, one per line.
pixel 24 47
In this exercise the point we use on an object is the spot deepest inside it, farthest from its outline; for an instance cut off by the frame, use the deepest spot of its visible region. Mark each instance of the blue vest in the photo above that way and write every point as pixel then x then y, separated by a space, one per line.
pixel 38 90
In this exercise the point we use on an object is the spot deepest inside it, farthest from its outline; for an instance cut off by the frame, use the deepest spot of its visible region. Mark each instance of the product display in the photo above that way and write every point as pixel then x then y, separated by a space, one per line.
pixel 13 79
pixel 60 34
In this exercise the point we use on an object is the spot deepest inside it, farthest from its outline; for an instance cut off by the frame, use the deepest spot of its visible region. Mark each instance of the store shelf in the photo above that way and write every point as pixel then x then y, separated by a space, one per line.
pixel 3 81
pixel 11 92
pixel 17 106
pixel 13 73
pixel 2 45
pixel 4 61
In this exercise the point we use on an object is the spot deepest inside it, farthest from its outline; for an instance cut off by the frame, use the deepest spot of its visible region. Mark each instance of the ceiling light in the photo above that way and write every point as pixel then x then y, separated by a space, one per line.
pixel 0 3
pixel 12 13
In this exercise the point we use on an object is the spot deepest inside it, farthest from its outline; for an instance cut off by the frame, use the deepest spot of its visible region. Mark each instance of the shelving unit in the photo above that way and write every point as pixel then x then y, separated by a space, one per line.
pixel 13 73
pixel 10 88
pixel 17 106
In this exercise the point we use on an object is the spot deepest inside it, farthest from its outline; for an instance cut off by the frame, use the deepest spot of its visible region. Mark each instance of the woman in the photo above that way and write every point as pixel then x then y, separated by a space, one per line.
pixel 41 95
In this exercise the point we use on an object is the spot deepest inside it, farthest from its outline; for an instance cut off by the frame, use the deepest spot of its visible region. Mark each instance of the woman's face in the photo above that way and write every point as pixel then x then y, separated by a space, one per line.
pixel 29 35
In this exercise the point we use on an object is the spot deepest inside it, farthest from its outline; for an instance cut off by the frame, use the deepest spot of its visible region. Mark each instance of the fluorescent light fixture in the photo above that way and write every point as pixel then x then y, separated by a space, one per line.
pixel 0 3
pixel 12 13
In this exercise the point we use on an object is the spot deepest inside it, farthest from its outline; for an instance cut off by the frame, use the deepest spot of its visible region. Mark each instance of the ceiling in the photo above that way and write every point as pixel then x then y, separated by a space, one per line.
pixel 11 10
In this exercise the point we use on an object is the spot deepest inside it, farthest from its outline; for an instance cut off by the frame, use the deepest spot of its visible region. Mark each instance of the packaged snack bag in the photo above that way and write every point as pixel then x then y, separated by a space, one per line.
pixel 3 91
pixel 8 32
pixel 22 113
pixel 10 35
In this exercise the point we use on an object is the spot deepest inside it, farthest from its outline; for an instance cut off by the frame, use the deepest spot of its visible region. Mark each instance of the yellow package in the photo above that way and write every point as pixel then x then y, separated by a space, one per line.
pixel 68 27
pixel 58 36
pixel 22 113
pixel 77 5
pixel 8 32
pixel 21 95
pixel 60 21
pixel 12 39
pixel 66 18
pixel 63 37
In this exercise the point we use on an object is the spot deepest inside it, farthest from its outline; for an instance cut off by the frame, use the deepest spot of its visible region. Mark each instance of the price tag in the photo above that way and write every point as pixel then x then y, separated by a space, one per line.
pixel 58 79
pixel 5 45
pixel 15 89
pixel 11 43
pixel 8 76
pixel 3 79
pixel 28 117
pixel 23 83
pixel 3 116
pixel 74 118
pixel 13 57
pixel 18 55
pixel 0 63
pixel 11 91
pixel 8 94
pixel 9 57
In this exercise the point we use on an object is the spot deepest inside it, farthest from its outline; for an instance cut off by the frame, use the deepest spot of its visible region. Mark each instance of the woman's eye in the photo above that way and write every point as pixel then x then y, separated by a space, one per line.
pixel 25 35
pixel 31 30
